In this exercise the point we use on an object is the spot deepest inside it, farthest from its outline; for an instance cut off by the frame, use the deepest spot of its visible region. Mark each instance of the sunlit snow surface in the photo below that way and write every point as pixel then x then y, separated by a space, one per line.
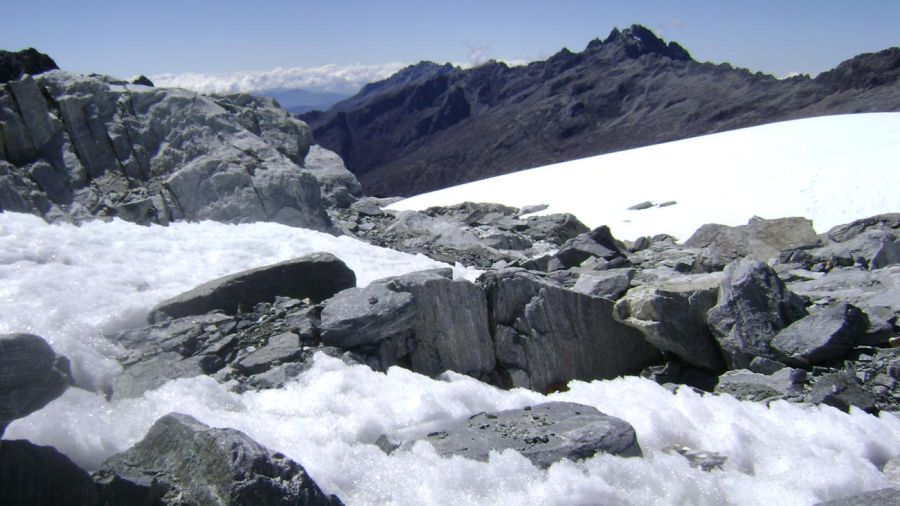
pixel 71 284
pixel 832 170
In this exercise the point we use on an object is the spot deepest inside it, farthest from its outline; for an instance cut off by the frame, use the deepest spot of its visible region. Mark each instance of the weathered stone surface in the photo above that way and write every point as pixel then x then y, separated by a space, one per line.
pixel 316 276
pixel 546 335
pixel 753 305
pixel 750 386
pixel 760 238
pixel 596 243
pixel 672 316
pixel 265 118
pixel 871 249
pixel 545 434
pixel 27 61
pixel 841 391
pixel 821 337
pixel 841 233
pixel 883 497
pixel 340 187
pixel 424 320
pixel 280 348
pixel 31 375
pixel 32 475
pixel 611 284
pixel 182 461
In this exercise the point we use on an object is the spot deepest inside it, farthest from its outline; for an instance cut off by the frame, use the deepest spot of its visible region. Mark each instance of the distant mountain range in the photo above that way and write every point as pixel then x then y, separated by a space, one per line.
pixel 433 126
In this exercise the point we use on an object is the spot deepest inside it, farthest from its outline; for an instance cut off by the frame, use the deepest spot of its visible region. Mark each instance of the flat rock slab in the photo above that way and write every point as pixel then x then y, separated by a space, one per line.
pixel 545 434
pixel 317 276
pixel 821 337
pixel 183 461
pixel 31 375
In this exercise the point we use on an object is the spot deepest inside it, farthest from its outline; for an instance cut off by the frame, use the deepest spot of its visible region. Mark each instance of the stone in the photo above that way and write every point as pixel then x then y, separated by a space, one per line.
pixel 766 366
pixel 611 284
pixel 841 391
pixel 317 276
pixel 142 80
pixel 883 497
pixel 824 336
pixel 155 371
pixel 265 118
pixel 672 316
pixel 280 348
pixel 32 475
pixel 183 461
pixel 750 386
pixel 753 305
pixel 31 375
pixel 340 188
pixel 425 321
pixel 551 335
pixel 27 61
pixel 544 434
pixel 760 238
pixel 596 243
pixel 842 233
pixel 705 460
pixel 872 249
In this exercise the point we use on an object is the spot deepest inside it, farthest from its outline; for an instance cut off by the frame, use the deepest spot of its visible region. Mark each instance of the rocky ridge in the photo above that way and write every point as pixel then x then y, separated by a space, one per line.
pixel 432 127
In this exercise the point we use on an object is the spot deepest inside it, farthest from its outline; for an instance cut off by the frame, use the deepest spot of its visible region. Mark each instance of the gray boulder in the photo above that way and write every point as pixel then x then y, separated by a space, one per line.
pixel 340 188
pixel 597 243
pixel 760 238
pixel 753 305
pixel 841 233
pixel 32 475
pixel 824 336
pixel 425 321
pixel 544 434
pixel 841 390
pixel 182 461
pixel 672 316
pixel 545 335
pixel 281 348
pixel 751 386
pixel 316 276
pixel 31 375
pixel 611 284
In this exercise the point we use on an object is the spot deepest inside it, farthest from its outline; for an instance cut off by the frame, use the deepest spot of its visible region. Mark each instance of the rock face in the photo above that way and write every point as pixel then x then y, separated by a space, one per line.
pixel 425 321
pixel 317 277
pixel 340 188
pixel 182 461
pixel 544 434
pixel 76 147
pixel 753 305
pixel 27 61
pixel 672 317
pixel 821 337
pixel 31 375
pixel 438 127
pixel 32 475
pixel 761 239
pixel 546 335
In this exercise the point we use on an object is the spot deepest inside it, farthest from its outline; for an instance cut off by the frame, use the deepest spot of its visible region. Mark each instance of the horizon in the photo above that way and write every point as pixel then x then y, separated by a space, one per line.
pixel 338 48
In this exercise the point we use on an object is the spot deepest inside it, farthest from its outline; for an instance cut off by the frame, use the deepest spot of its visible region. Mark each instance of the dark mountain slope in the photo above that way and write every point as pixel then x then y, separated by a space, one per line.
pixel 27 61
pixel 447 126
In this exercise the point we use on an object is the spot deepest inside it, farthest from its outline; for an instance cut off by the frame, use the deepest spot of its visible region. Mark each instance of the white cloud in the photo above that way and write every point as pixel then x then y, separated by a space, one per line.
pixel 327 78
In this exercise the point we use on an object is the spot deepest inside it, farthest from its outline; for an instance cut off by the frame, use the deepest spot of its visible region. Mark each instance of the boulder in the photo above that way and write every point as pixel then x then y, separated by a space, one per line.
pixel 31 375
pixel 753 305
pixel 340 188
pixel 183 461
pixel 672 316
pixel 316 276
pixel 281 348
pixel 841 390
pixel 842 233
pixel 751 386
pixel 611 284
pixel 544 434
pixel 425 321
pixel 824 336
pixel 545 335
pixel 597 243
pixel 760 238
pixel 871 249
pixel 32 475
pixel 27 61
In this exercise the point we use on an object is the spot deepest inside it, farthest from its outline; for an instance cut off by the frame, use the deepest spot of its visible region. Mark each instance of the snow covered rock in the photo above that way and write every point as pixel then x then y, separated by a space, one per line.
pixel 423 320
pixel 32 475
pixel 317 276
pixel 76 147
pixel 544 434
pixel 183 461
pixel 753 305
pixel 672 316
pixel 31 375
pixel 546 335
pixel 823 336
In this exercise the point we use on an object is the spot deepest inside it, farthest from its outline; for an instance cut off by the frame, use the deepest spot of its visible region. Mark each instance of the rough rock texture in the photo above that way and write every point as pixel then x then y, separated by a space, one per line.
pixel 317 276
pixel 442 127
pixel 32 475
pixel 424 320
pixel 753 305
pixel 841 390
pixel 598 243
pixel 822 336
pixel 760 238
pixel 751 386
pixel 672 316
pixel 182 461
pixel 545 434
pixel 31 375
pixel 611 284
pixel 545 335
pixel 76 147
pixel 340 188
pixel 883 497
pixel 27 61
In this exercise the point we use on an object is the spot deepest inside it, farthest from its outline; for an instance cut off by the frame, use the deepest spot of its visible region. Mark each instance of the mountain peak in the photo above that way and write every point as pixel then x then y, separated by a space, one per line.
pixel 638 40
pixel 27 61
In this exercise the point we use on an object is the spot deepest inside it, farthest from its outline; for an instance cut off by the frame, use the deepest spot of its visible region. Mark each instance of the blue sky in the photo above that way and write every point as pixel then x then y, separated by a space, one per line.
pixel 128 38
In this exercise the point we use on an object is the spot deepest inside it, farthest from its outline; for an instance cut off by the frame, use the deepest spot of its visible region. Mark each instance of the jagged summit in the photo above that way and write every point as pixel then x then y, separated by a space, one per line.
pixel 14 65
pixel 638 40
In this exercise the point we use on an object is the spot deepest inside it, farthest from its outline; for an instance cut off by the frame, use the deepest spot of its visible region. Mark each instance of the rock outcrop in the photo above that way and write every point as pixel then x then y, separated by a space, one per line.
pixel 13 65
pixel 182 461
pixel 32 475
pixel 75 147
pixel 31 375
